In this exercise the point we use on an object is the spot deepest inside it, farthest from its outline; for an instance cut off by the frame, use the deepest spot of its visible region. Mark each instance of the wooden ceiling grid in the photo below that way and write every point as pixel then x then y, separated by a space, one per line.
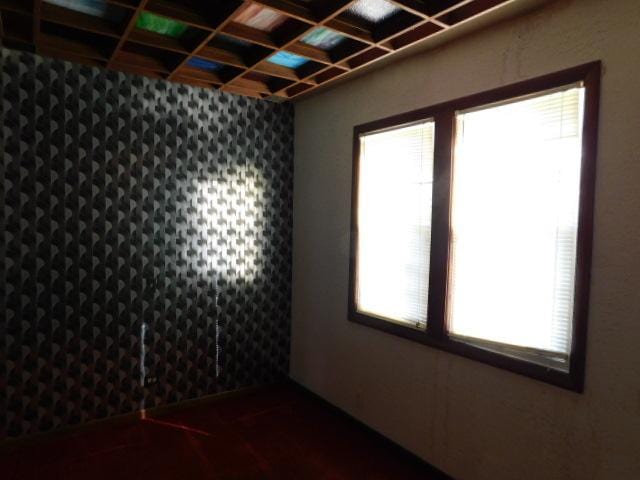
pixel 118 43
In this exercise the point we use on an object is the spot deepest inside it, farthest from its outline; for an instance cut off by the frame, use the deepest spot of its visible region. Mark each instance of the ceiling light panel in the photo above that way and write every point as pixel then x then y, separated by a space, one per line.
pixel 203 64
pixel 286 59
pixel 323 38
pixel 94 8
pixel 373 11
pixel 260 18
pixel 161 25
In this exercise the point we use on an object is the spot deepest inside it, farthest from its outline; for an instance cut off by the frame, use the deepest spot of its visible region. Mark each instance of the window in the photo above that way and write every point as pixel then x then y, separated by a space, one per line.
pixel 394 211
pixel 472 224
pixel 514 222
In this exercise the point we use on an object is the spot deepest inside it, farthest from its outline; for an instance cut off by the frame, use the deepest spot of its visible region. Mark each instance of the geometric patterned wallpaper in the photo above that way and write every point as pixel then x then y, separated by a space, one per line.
pixel 146 242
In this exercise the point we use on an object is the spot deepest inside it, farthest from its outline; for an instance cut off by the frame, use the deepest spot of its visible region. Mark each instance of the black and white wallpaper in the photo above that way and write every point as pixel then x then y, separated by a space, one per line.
pixel 146 242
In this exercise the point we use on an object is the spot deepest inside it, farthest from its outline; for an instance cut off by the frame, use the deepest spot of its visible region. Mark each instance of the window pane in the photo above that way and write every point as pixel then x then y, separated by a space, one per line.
pixel 394 223
pixel 516 179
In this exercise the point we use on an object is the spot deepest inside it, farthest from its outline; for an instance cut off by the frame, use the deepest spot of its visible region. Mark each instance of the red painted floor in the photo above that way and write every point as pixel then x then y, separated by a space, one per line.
pixel 279 433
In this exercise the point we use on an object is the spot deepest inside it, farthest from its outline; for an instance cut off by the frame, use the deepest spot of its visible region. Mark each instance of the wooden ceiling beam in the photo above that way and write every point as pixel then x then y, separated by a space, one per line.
pixel 198 74
pixel 331 9
pixel 235 89
pixel 467 10
pixel 180 11
pixel 251 84
pixel 37 13
pixel 130 26
pixel 73 47
pixel 349 29
pixel 63 16
pixel 452 5
pixel 232 8
pixel 68 56
pixel 130 4
pixel 192 81
pixel 299 11
pixel 415 7
pixel 221 55
pixel 249 34
pixel 152 39
pixel 308 51
pixel 363 58
pixel 16 6
pixel 65 33
pixel 140 60
pixel 277 71
pixel 136 70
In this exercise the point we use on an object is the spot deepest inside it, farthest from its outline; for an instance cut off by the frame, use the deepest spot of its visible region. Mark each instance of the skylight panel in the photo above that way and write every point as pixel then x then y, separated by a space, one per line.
pixel 286 59
pixel 95 8
pixel 373 11
pixel 161 25
pixel 323 38
pixel 261 18
pixel 204 64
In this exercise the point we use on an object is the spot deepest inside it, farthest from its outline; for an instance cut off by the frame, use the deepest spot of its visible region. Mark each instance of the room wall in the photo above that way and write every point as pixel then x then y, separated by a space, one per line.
pixel 469 419
pixel 146 247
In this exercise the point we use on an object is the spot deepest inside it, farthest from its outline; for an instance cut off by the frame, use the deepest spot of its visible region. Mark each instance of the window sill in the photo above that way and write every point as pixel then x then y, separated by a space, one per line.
pixel 572 380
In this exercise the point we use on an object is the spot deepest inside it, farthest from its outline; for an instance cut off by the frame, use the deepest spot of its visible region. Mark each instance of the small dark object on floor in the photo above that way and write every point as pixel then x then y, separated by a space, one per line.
pixel 277 433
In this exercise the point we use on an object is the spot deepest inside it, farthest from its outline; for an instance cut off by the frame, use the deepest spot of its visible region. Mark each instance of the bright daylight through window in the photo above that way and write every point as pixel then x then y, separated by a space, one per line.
pixel 472 224
pixel 394 220
pixel 514 223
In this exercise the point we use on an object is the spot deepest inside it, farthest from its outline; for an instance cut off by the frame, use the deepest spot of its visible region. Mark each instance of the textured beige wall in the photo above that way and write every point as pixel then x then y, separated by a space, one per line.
pixel 469 419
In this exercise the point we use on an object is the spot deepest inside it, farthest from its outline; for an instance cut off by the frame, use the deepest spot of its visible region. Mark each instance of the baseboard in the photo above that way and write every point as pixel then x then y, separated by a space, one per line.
pixel 436 473
pixel 125 418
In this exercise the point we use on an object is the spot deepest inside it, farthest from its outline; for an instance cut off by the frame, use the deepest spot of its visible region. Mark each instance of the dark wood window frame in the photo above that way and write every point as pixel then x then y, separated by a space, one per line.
pixel 444 115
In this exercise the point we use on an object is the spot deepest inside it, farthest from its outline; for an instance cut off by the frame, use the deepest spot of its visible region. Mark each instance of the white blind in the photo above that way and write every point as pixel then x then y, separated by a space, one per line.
pixel 394 223
pixel 516 178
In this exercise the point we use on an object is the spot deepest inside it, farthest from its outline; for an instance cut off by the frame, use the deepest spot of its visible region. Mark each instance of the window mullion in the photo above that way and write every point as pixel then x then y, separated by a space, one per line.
pixel 443 157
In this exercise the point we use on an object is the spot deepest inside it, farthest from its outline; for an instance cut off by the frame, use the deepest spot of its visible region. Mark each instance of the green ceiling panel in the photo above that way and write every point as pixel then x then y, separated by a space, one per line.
pixel 161 25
